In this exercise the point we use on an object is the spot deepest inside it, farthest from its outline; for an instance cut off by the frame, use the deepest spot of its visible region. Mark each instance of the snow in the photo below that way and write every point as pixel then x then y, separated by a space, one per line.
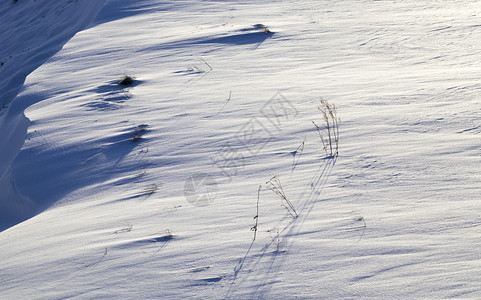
pixel 31 33
pixel 98 184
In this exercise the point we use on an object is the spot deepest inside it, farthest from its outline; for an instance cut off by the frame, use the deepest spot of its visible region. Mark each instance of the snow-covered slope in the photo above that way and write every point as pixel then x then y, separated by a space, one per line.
pixel 151 190
pixel 31 32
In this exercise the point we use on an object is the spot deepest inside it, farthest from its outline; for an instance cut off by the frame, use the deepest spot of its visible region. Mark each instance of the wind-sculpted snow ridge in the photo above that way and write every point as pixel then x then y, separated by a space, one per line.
pixel 31 32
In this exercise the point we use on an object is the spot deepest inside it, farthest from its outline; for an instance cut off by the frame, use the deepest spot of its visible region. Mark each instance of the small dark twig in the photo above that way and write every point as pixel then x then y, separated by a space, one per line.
pixel 254 228
pixel 226 101
pixel 296 154
pixel 329 115
pixel 206 63
pixel 275 185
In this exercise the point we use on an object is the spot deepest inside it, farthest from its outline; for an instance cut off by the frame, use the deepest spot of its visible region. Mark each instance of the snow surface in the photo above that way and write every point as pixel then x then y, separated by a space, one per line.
pixel 97 182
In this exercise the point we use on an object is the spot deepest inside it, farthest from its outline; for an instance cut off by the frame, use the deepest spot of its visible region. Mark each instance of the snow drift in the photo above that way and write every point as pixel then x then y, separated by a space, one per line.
pixel 31 32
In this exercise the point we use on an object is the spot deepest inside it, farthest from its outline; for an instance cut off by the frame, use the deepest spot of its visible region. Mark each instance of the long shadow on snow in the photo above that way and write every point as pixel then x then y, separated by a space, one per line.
pixel 316 184
pixel 240 39
pixel 252 38
pixel 111 96
pixel 307 203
